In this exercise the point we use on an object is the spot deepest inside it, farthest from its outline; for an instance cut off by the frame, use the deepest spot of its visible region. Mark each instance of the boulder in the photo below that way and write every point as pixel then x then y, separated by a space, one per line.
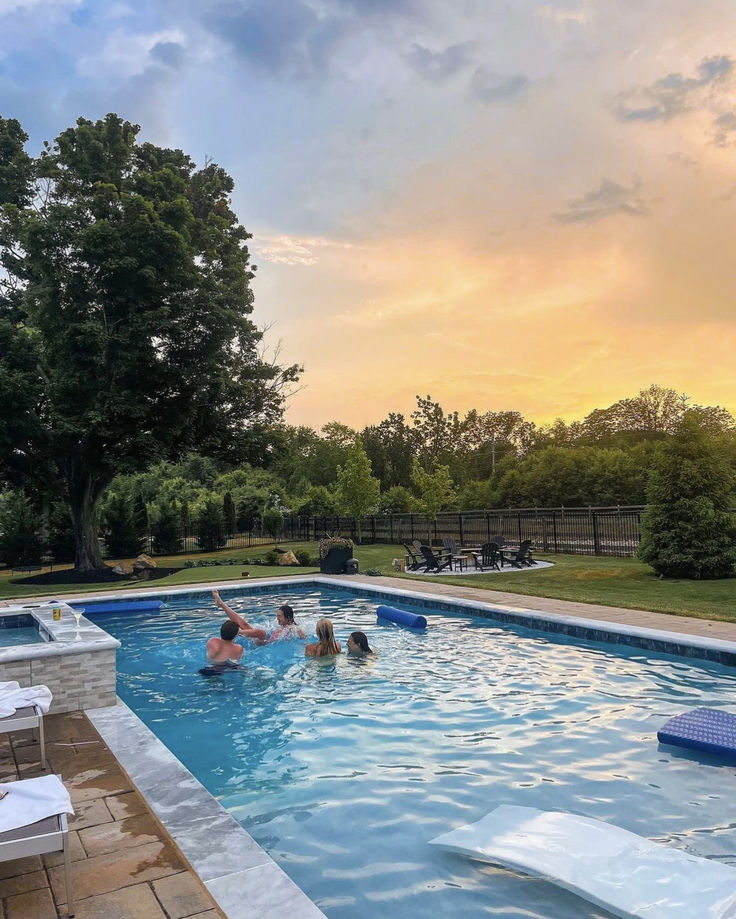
pixel 288 558
pixel 123 568
pixel 143 562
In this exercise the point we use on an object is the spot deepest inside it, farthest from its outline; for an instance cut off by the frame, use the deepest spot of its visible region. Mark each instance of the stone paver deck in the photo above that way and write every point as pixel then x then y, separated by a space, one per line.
pixel 124 864
pixel 685 625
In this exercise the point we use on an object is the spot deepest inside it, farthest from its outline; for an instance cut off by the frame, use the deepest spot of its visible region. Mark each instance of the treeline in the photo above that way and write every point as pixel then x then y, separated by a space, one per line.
pixel 433 461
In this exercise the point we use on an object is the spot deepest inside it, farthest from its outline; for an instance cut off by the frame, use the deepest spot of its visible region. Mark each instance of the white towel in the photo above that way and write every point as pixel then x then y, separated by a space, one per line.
pixel 30 800
pixel 13 697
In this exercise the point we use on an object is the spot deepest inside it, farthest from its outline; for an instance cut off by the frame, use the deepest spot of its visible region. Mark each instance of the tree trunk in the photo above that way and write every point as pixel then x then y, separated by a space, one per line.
pixel 84 493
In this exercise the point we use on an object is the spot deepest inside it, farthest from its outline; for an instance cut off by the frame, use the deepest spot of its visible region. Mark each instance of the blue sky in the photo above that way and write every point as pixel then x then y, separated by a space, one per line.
pixel 508 205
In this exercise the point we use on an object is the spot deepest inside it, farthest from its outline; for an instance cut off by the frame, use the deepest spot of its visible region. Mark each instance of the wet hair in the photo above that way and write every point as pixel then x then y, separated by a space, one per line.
pixel 326 635
pixel 362 642
pixel 228 630
pixel 288 613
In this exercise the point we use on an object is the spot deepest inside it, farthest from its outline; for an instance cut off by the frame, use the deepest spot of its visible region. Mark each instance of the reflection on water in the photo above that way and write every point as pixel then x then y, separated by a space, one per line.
pixel 344 769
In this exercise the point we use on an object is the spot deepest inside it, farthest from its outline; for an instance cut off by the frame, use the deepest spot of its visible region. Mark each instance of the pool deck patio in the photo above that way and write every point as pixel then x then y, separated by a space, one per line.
pixel 125 864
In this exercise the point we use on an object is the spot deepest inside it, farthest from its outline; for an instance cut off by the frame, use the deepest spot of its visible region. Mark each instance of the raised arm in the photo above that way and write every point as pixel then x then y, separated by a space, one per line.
pixel 245 628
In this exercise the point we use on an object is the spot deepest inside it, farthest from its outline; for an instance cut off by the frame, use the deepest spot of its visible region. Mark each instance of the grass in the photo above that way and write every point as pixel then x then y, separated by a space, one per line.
pixel 606 581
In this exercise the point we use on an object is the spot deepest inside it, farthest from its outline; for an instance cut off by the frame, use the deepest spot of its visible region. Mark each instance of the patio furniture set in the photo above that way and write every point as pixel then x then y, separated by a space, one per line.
pixel 492 555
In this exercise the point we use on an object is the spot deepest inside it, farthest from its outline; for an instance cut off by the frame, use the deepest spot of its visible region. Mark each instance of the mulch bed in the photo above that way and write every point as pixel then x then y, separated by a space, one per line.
pixel 70 576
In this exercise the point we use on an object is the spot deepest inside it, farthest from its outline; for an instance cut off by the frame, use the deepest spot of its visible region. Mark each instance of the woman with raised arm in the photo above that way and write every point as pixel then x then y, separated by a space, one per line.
pixel 287 627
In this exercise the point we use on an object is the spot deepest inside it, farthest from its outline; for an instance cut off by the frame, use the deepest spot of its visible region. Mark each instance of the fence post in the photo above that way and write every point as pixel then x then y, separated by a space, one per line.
pixel 596 545
pixel 462 533
pixel 411 523
pixel 391 527
pixel 373 526
pixel 554 528
pixel 488 527
pixel 518 524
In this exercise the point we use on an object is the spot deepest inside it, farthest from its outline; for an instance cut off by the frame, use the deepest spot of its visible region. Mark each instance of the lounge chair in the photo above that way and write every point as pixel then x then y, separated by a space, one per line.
pixel 611 867
pixel 521 557
pixel 49 834
pixel 435 563
pixel 28 717
pixel 488 557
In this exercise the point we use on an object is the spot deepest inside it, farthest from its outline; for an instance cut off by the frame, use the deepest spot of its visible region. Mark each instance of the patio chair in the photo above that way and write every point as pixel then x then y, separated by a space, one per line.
pixel 50 834
pixel 28 717
pixel 499 540
pixel 413 561
pixel 522 557
pixel 488 557
pixel 435 564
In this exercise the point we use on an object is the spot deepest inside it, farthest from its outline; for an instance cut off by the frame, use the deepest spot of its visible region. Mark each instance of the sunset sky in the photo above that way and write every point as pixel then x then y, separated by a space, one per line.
pixel 508 205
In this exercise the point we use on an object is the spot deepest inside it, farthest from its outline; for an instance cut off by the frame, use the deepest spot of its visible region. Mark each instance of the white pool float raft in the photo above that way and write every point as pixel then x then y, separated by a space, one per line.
pixel 626 874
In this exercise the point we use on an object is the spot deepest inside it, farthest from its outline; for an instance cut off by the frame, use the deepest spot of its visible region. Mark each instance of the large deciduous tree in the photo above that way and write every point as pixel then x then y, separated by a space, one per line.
pixel 125 299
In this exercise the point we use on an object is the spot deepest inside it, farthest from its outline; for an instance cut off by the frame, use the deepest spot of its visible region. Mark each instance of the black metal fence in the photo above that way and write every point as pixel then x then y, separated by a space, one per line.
pixel 610 531
pixel 577 531
pixel 189 540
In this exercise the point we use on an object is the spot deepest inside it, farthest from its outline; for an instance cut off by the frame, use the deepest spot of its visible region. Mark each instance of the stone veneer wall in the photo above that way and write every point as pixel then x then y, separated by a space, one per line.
pixel 76 681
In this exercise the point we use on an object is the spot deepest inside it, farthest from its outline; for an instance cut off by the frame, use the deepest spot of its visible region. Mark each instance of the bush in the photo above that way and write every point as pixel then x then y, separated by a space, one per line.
pixel 209 526
pixel 373 572
pixel 272 522
pixel 166 532
pixel 19 542
pixel 689 528
pixel 123 537
pixel 61 537
pixel 272 558
pixel 302 556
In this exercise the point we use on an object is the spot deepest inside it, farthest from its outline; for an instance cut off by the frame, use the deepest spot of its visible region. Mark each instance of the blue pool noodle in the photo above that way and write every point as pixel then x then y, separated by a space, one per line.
pixel 401 617
pixel 118 606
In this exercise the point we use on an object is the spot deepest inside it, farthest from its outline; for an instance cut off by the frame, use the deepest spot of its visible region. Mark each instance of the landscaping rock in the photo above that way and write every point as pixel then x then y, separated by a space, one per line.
pixel 288 558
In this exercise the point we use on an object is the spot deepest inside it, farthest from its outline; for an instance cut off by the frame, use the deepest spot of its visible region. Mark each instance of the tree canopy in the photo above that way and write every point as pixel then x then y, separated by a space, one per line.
pixel 125 299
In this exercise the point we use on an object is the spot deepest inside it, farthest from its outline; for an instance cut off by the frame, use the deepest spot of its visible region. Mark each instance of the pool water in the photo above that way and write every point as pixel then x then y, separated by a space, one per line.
pixel 343 770
pixel 22 635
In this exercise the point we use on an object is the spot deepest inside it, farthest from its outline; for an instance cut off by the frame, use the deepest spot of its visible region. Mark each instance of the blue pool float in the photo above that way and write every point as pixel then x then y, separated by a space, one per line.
pixel 118 606
pixel 701 729
pixel 401 617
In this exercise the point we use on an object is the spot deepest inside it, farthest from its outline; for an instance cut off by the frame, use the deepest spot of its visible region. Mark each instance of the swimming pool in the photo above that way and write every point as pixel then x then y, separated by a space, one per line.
pixel 343 771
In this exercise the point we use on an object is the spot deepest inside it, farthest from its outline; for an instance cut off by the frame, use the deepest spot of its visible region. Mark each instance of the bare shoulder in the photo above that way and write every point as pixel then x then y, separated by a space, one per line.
pixel 310 650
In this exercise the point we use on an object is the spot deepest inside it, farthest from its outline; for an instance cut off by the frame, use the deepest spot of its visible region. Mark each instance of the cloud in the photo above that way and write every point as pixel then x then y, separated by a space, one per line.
pixel 170 53
pixel 562 15
pixel 439 65
pixel 608 199
pixel 489 86
pixel 291 250
pixel 273 36
pixel 674 94
pixel 725 129
pixel 13 6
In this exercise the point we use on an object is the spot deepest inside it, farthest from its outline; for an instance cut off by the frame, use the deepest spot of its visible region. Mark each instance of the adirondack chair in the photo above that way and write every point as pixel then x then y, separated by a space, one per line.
pixel 521 557
pixel 413 561
pixel 488 557
pixel 435 564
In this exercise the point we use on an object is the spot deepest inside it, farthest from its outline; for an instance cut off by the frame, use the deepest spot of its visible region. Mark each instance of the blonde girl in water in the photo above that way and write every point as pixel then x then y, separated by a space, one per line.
pixel 326 644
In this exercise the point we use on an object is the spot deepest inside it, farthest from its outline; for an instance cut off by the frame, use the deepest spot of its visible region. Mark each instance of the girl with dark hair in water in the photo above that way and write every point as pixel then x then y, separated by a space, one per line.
pixel 358 645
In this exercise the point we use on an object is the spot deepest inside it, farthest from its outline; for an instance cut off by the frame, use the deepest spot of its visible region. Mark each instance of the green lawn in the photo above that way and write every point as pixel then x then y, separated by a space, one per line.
pixel 607 581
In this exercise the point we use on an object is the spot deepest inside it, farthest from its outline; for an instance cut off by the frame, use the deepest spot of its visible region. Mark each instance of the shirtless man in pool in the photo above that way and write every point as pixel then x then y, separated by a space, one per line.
pixel 287 628
pixel 222 650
